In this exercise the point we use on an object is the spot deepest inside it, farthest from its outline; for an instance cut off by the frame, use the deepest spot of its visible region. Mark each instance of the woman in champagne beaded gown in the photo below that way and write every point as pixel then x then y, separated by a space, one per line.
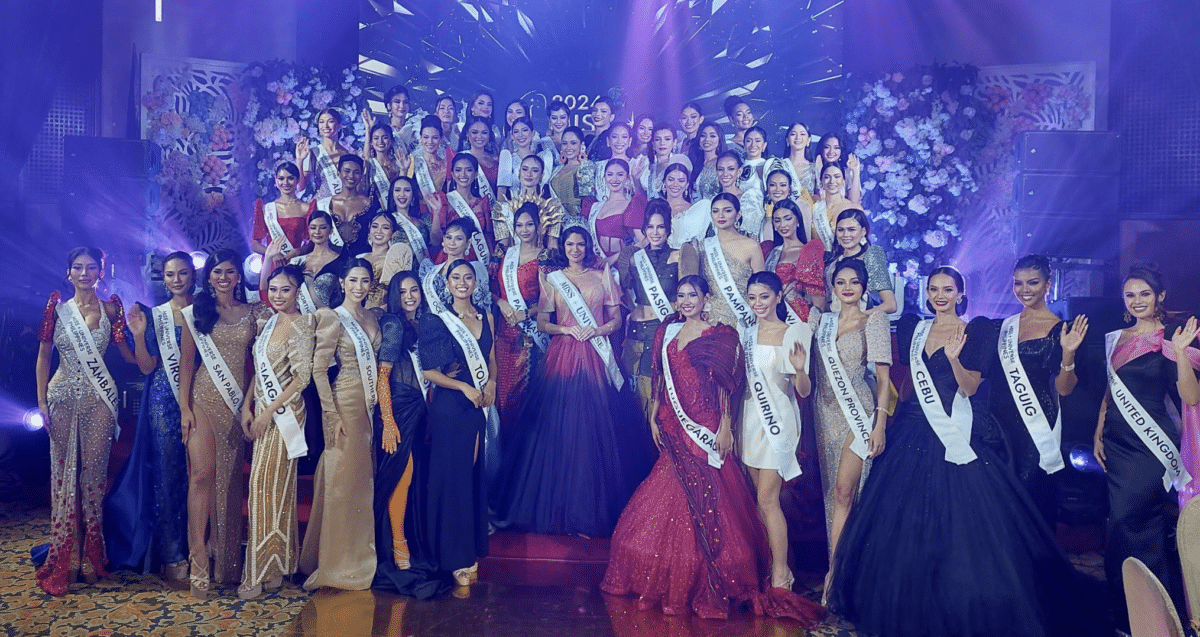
pixel 742 257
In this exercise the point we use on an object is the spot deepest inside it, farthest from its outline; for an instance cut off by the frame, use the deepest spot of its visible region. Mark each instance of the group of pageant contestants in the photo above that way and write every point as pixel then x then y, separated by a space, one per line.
pixel 612 334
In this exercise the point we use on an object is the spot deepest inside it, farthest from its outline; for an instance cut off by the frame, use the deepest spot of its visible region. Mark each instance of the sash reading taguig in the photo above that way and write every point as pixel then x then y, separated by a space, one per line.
pixel 783 443
pixel 271 219
pixel 89 357
pixel 651 285
pixel 168 349
pixel 268 383
pixel 512 286
pixel 1048 441
pixel 1155 439
pixel 953 429
pixel 365 354
pixel 715 256
pixel 701 435
pixel 218 370
pixel 477 240
pixel 856 415
pixel 583 316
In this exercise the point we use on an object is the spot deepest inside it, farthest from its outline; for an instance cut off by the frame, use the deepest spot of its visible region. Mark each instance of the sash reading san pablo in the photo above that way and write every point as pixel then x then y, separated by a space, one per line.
pixel 218 370
pixel 290 429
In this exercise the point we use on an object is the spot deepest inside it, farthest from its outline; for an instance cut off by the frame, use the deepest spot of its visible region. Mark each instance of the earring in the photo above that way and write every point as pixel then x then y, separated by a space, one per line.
pixel 862 241
pixel 1128 317
pixel 960 300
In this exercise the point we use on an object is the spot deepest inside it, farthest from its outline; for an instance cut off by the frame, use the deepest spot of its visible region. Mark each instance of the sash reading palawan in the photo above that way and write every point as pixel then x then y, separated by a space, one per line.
pixel 168 348
pixel 268 383
pixel 512 286
pixel 1048 441
pixel 701 435
pixel 218 370
pixel 848 400
pixel 953 429
pixel 579 309
pixel 89 357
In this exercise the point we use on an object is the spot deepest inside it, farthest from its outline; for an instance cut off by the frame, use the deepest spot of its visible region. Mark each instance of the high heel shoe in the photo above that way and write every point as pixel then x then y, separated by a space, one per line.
pixel 787 582
pixel 273 586
pixel 462 577
pixel 474 572
pixel 198 578
pixel 252 592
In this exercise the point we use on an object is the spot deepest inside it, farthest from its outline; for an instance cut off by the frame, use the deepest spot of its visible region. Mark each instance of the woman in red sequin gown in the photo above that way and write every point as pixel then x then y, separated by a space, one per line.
pixel 515 349
pixel 690 539
pixel 798 262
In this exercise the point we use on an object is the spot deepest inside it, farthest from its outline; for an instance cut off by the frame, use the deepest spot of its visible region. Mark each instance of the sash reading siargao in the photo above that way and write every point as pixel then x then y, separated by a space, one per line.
pixel 304 300
pixel 651 285
pixel 329 171
pixel 848 400
pixel 335 237
pixel 508 270
pixel 218 370
pixel 365 354
pixel 953 429
pixel 415 240
pixel 290 428
pixel 89 357
pixel 583 316
pixel 271 219
pixel 705 439
pixel 1048 441
pixel 477 239
pixel 1143 425
pixel 715 255
pixel 168 349
pixel 771 413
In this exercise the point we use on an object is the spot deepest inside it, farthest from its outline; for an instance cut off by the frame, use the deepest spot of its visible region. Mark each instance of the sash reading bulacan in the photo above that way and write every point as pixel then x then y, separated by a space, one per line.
pixel 268 383
pixel 651 285
pixel 1143 425
pixel 271 219
pixel 335 237
pixel 771 414
pixel 954 429
pixel 856 415
pixel 329 171
pixel 218 370
pixel 583 316
pixel 508 270
pixel 705 439
pixel 415 240
pixel 90 358
pixel 1048 441
pixel 304 300
pixel 365 354
pixel 168 348
pixel 478 241
pixel 715 255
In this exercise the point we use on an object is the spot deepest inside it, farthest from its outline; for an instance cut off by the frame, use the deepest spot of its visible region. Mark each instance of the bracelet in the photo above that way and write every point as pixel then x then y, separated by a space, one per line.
pixel 1068 368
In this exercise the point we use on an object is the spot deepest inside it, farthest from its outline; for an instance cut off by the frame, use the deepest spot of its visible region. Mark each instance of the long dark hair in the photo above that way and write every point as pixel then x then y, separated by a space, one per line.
pixel 464 144
pixel 338 295
pixel 679 168
pixel 790 206
pixel 93 252
pixel 787 149
pixel 204 304
pixel 773 282
pixel 452 185
pixel 959 282
pixel 589 252
pixel 849 213
pixel 859 268
pixel 409 339
pixel 697 155
pixel 414 205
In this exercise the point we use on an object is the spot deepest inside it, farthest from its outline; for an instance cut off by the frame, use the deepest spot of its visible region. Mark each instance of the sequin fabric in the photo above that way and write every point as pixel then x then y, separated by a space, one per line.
pixel 718 308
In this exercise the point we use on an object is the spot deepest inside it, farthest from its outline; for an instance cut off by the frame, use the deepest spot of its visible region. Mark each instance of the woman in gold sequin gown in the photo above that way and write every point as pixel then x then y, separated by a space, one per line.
pixel 742 253
pixel 386 257
pixel 80 425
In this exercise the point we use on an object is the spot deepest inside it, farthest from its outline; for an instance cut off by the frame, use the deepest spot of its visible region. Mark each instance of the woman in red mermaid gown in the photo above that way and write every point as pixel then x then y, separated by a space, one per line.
pixel 690 540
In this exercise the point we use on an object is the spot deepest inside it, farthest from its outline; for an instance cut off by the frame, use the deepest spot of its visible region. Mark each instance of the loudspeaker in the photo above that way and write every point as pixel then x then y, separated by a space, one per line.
pixel 1066 235
pixel 1069 151
pixel 1093 195
pixel 107 190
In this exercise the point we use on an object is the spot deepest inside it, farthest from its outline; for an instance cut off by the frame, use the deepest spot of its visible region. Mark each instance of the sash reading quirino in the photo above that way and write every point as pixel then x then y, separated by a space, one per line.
pixel 953 429
pixel 168 349
pixel 365 354
pixel 304 300
pixel 415 240
pixel 651 285
pixel 508 270
pixel 285 419
pixel 89 357
pixel 218 370
pixel 770 412
pixel 728 288
pixel 478 242
pixel 1155 439
pixel 329 171
pixel 335 237
pixel 848 400
pixel 271 219
pixel 705 439
pixel 1048 441
pixel 579 309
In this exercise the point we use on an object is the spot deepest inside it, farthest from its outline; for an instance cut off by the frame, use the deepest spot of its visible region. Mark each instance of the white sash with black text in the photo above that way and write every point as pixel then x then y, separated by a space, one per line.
pixel 953 429
pixel 379 179
pixel 728 288
pixel 290 428
pixel 424 178
pixel 772 414
pixel 218 370
pixel 304 300
pixel 821 223
pixel 415 240
pixel 365 352
pixel 329 171
pixel 271 219
pixel 705 439
pixel 168 347
pixel 583 316
pixel 591 220
pixel 861 422
pixel 335 237
pixel 90 358
pixel 512 286
pixel 478 241
pixel 1048 441
pixel 648 278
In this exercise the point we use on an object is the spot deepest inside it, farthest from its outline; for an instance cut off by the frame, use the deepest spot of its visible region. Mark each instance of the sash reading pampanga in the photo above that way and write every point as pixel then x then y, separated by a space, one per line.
pixel 508 270
pixel 583 316
pixel 954 429
pixel 379 179
pixel 591 219
pixel 335 237
pixel 271 218
pixel 771 413
pixel 1147 429
pixel 1048 441
pixel 705 439
pixel 268 383
pixel 168 349
pixel 89 357
pixel 329 171
pixel 651 285
pixel 218 371
pixel 728 288
pixel 861 422
pixel 304 300
pixel 478 241
pixel 365 354
pixel 821 222
pixel 415 240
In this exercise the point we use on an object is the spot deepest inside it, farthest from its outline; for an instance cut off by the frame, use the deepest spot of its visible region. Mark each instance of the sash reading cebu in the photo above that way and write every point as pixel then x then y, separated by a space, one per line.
pixel 477 241
pixel 953 429
pixel 168 349
pixel 848 400
pixel 1048 441
pixel 782 443
pixel 508 270
pixel 271 218
pixel 651 285
pixel 365 354
pixel 715 256
pixel 705 439
pixel 89 357
pixel 583 316
pixel 1147 429
pixel 268 383
pixel 218 370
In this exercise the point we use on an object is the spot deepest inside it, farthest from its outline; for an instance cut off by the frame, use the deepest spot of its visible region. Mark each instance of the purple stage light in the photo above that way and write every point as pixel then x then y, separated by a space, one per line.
pixel 1082 459
pixel 198 258
pixel 33 419
pixel 253 264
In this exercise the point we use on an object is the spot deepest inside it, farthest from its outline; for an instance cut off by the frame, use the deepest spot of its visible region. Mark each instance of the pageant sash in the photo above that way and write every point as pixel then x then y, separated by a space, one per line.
pixel 651 285
pixel 715 255
pixel 271 218
pixel 424 178
pixel 379 180
pixel 821 223
pixel 415 240
pixel 268 383
pixel 705 439
pixel 953 429
pixel 329 171
pixel 1155 439
pixel 508 270
pixel 1048 441
pixel 168 348
pixel 426 385
pixel 90 358
pixel 485 187
pixel 218 370
pixel 477 363
pixel 579 309
pixel 335 237
pixel 861 422
pixel 478 241
pixel 771 413
pixel 304 300
pixel 429 289
pixel 365 353
pixel 591 221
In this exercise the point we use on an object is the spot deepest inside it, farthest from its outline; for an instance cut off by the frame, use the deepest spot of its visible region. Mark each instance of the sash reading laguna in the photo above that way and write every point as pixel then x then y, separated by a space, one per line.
pixel 477 239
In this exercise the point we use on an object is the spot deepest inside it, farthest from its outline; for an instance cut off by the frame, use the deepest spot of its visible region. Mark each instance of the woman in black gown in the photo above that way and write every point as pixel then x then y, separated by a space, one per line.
pixel 1151 361
pixel 943 540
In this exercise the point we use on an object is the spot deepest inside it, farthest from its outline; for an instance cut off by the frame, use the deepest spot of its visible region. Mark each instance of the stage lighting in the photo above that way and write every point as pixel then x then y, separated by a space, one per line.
pixel 253 264
pixel 1082 459
pixel 199 257
pixel 33 419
